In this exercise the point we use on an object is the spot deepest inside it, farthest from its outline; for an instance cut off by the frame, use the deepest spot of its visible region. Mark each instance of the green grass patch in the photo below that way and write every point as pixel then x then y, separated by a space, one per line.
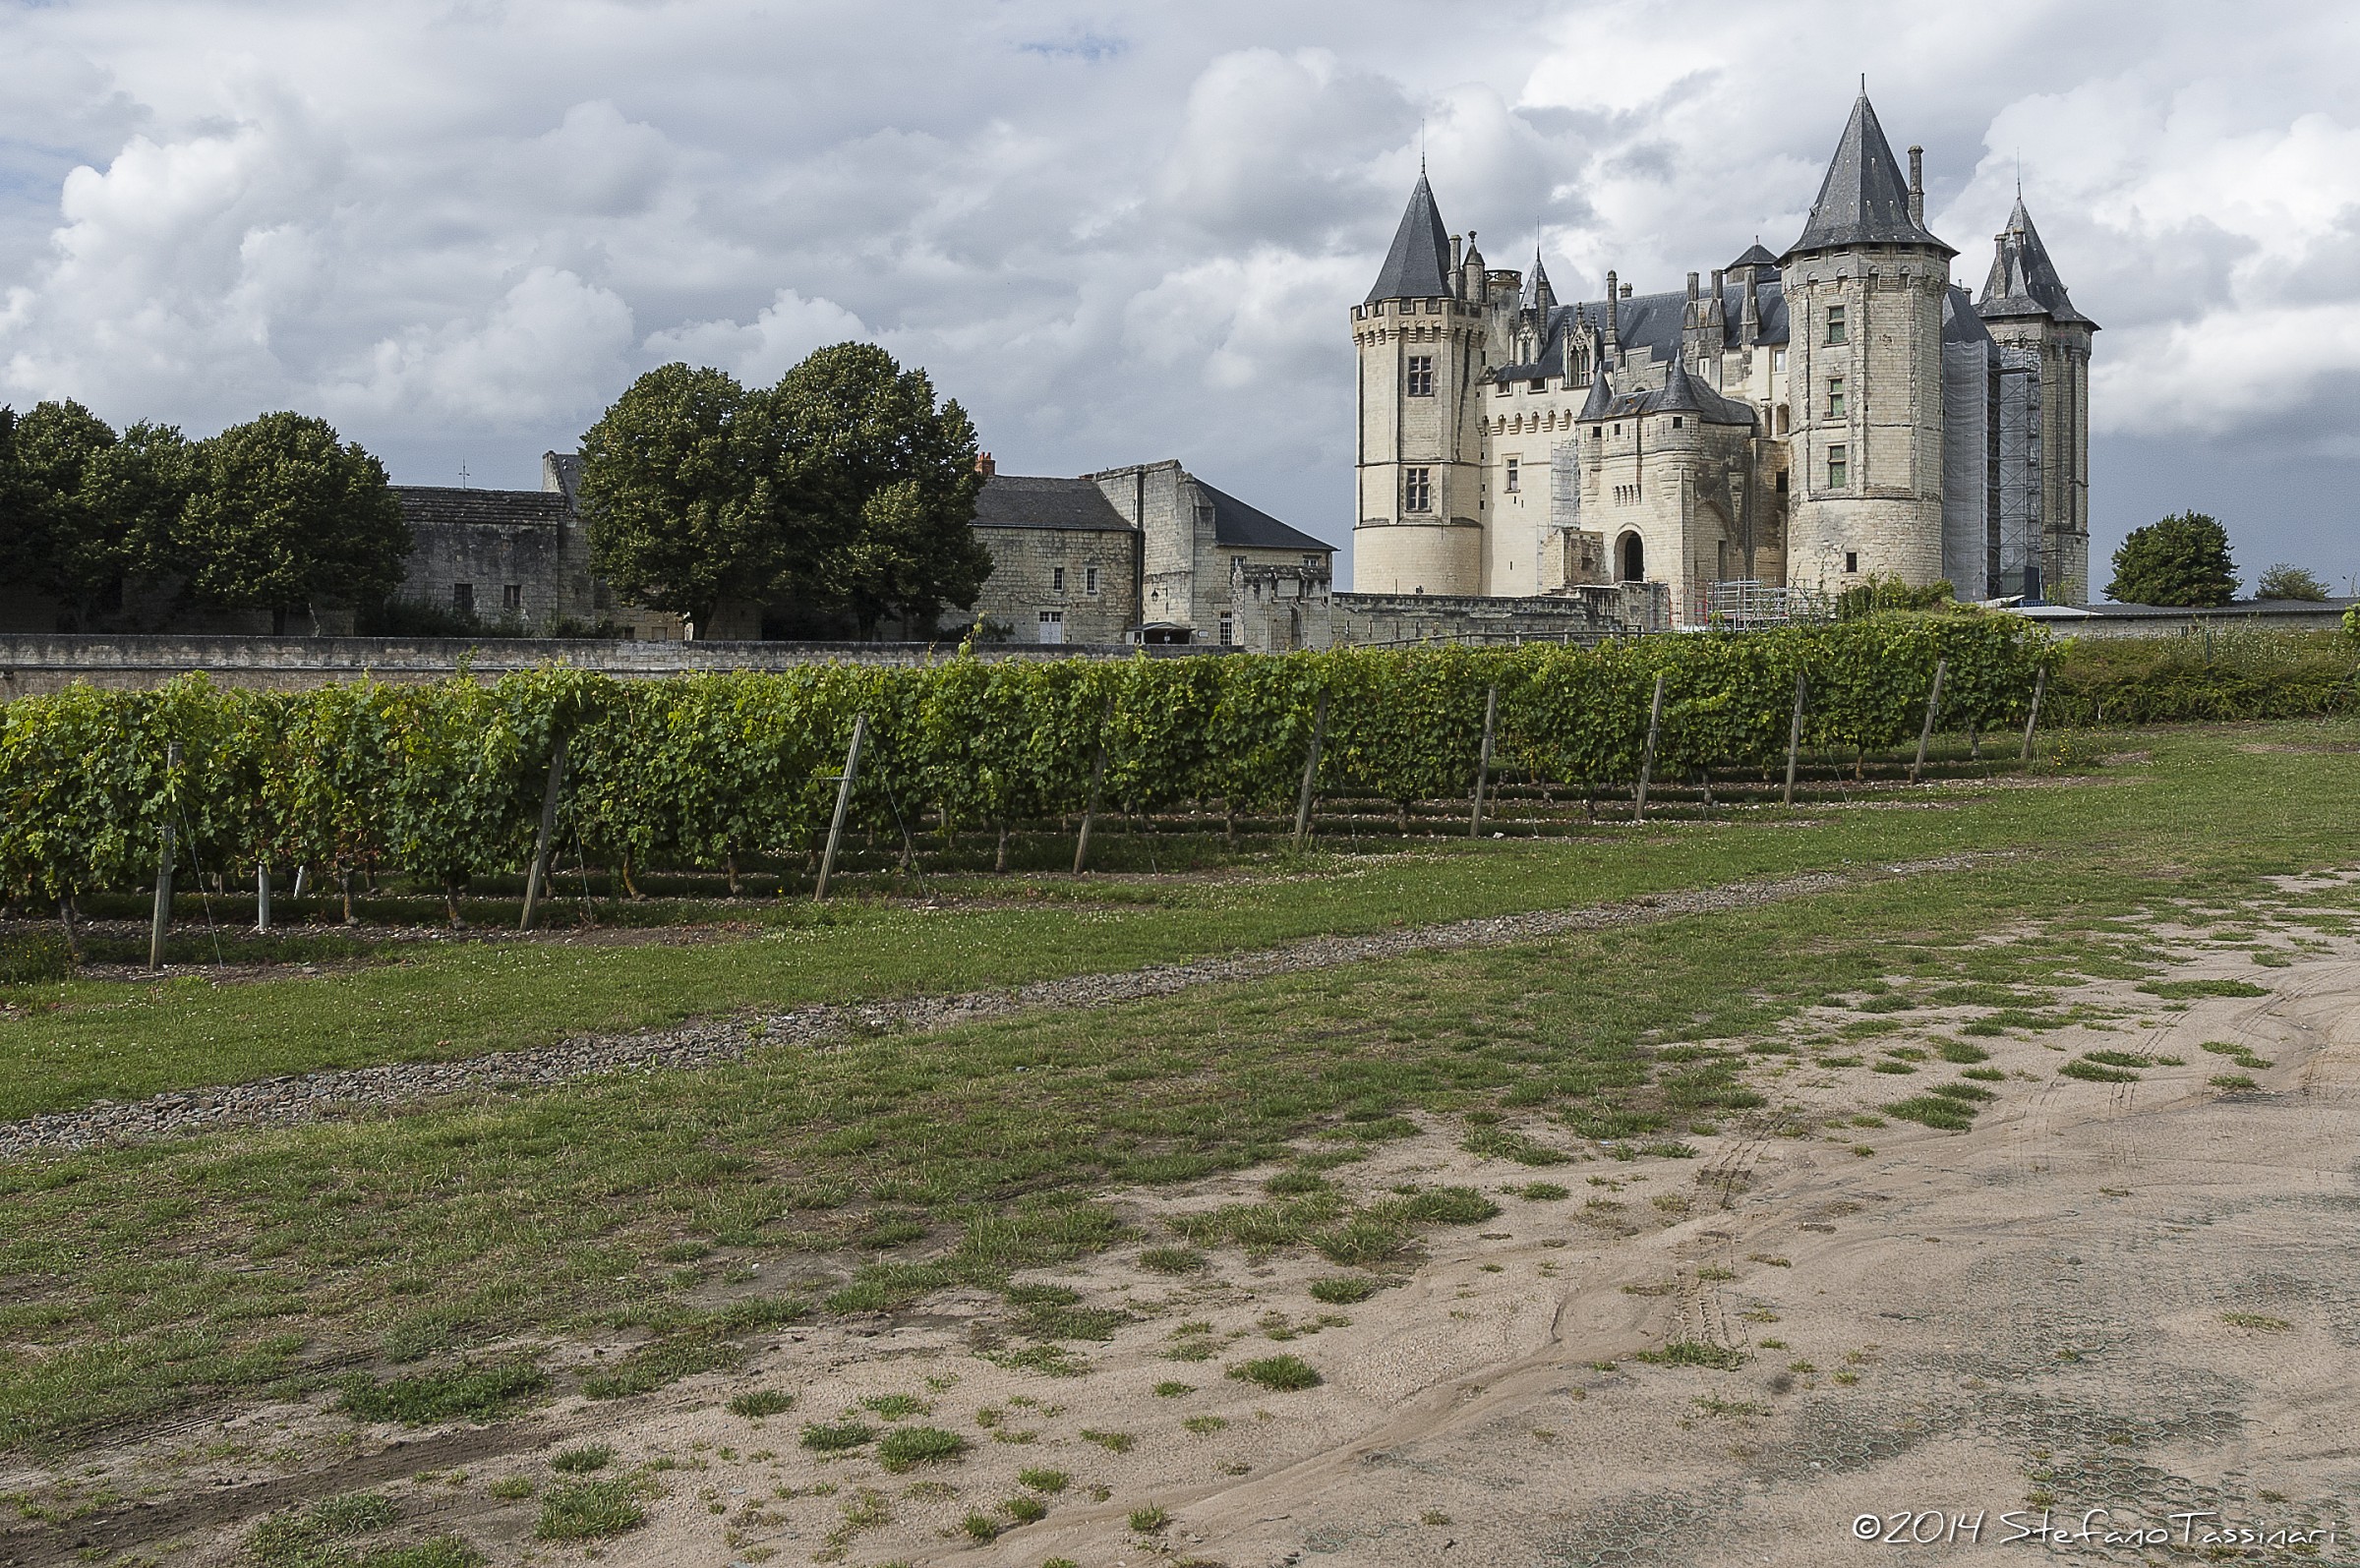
pixel 2090 1071
pixel 590 1510
pixel 1172 1261
pixel 1498 1143
pixel 834 1437
pixel 2190 990
pixel 458 1393
pixel 1961 1052
pixel 1284 1375
pixel 1694 1352
pixel 1342 1290
pixel 762 1402
pixel 584 1460
pixel 906 1447
pixel 646 1367
pixel 1938 1111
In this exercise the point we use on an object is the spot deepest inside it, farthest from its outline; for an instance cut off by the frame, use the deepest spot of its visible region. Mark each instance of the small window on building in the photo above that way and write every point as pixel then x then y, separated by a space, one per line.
pixel 1539 383
pixel 1053 626
pixel 1434 307
pixel 1778 362
pixel 1837 468
pixel 1311 562
pixel 511 597
pixel 1090 579
pixel 1782 420
pixel 1675 421
pixel 462 598
pixel 1835 397
pixel 1421 375
pixel 1228 630
pixel 1056 579
pixel 1515 478
pixel 1781 484
pixel 1834 325
pixel 1417 490
pixel 1851 561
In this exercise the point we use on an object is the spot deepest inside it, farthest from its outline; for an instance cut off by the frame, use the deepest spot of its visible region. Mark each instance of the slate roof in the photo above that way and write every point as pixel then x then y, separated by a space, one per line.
pixel 1241 527
pixel 449 507
pixel 568 469
pixel 1680 393
pixel 1959 321
pixel 1652 322
pixel 1539 293
pixel 1865 198
pixel 1418 267
pixel 1018 500
pixel 2023 281
pixel 1754 256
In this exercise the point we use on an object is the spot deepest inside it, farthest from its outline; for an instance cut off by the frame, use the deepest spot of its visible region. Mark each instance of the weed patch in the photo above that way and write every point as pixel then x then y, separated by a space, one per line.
pixel 1284 1375
pixel 590 1510
pixel 470 1393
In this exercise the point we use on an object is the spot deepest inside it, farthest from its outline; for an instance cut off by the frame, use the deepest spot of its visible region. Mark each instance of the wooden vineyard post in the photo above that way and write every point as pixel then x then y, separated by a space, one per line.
pixel 164 870
pixel 1794 738
pixel 1483 761
pixel 2039 685
pixel 1098 779
pixel 1655 722
pixel 536 880
pixel 1311 774
pixel 1934 704
pixel 844 805
pixel 261 896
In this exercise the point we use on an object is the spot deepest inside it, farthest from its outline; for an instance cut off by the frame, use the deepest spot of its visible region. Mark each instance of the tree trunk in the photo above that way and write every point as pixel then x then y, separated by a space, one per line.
pixel 450 905
pixel 729 865
pixel 999 861
pixel 629 886
pixel 345 882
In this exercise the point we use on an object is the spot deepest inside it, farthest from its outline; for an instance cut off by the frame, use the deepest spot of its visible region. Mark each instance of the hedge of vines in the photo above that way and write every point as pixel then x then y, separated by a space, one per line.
pixel 443 783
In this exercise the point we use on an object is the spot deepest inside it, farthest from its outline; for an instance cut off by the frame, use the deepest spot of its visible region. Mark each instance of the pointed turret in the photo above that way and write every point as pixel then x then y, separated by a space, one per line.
pixel 1418 267
pixel 1602 394
pixel 2023 281
pixel 1538 295
pixel 1866 198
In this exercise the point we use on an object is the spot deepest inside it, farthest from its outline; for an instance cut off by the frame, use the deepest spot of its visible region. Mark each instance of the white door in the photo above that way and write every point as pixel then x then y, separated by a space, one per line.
pixel 1053 626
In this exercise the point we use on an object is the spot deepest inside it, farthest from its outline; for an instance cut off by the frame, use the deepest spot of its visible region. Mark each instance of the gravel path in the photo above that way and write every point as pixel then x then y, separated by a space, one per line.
pixel 314 1096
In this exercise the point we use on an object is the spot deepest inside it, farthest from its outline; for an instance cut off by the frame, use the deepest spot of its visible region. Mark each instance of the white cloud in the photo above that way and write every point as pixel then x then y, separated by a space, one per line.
pixel 762 350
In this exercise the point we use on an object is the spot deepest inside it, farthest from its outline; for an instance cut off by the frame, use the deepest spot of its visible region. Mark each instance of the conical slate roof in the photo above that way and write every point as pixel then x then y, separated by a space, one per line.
pixel 1418 267
pixel 1602 395
pixel 1865 198
pixel 1754 256
pixel 2023 281
pixel 1538 295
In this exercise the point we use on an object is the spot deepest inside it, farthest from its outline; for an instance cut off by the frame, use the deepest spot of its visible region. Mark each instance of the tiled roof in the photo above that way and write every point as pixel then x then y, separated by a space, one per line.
pixel 443 505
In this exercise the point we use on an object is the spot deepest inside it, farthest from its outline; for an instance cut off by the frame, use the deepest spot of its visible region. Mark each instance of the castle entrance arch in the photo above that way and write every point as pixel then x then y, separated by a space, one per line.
pixel 1635 558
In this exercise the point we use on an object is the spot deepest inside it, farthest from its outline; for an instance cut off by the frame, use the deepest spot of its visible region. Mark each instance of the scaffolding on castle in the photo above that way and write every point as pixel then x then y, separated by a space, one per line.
pixel 1741 603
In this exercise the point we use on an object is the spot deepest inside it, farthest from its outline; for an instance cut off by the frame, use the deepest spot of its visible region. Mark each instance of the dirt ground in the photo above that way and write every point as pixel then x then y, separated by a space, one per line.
pixel 2114 1322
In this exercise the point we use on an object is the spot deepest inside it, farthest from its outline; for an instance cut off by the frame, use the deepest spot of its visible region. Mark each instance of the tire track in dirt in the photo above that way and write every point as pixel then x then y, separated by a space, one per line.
pixel 316 1096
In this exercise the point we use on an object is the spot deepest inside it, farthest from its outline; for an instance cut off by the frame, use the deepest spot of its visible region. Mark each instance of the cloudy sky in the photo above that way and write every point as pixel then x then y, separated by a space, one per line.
pixel 1123 232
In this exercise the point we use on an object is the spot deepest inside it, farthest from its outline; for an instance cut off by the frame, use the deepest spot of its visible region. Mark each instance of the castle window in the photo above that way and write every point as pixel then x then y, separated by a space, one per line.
pixel 1835 397
pixel 1515 475
pixel 1228 629
pixel 1421 375
pixel 1782 419
pixel 1540 383
pixel 1417 490
pixel 1434 307
pixel 511 597
pixel 462 598
pixel 1090 579
pixel 1834 325
pixel 1778 362
pixel 1056 579
pixel 1676 422
pixel 1837 468
pixel 1781 484
pixel 1851 561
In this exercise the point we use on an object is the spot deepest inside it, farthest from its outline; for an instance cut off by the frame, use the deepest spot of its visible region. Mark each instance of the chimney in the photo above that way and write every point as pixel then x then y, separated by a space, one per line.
pixel 985 466
pixel 1918 185
pixel 1627 291
pixel 1613 315
pixel 1457 259
pixel 1749 313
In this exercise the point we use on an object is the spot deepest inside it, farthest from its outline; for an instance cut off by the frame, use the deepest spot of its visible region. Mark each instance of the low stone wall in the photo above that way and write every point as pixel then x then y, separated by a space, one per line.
pixel 2156 621
pixel 32 663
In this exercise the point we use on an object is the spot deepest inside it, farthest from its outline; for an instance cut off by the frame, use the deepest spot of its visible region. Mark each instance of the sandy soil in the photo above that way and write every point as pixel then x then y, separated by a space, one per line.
pixel 2132 1296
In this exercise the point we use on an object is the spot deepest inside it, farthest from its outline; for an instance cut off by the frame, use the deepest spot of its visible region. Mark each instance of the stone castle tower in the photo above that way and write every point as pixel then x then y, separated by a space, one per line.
pixel 1804 422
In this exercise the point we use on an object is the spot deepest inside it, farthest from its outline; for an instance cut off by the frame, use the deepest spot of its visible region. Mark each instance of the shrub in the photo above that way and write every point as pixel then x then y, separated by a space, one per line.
pixel 2288 581
pixel 2182 561
pixel 1283 1374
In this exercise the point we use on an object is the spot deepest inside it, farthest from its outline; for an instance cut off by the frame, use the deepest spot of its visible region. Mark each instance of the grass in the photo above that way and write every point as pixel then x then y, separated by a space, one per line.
pixel 1149 1520
pixel 834 1437
pixel 1172 1261
pixel 150 1279
pixel 1694 1352
pixel 762 1402
pixel 1051 1482
pixel 1342 1290
pixel 470 1393
pixel 906 1447
pixel 2094 1072
pixel 582 1461
pixel 2190 990
pixel 590 1510
pixel 1285 1374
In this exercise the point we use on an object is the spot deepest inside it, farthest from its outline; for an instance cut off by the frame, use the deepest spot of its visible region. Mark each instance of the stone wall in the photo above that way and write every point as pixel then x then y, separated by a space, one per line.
pixel 1090 577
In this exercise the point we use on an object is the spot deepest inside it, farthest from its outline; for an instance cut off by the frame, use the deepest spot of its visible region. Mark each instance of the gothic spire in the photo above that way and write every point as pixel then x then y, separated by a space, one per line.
pixel 1418 267
pixel 1602 395
pixel 1865 198
pixel 1538 295
pixel 2023 281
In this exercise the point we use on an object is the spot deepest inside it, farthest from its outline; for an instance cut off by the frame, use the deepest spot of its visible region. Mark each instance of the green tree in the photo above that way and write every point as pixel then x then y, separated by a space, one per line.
pixel 2182 561
pixel 70 547
pixel 677 478
pixel 878 487
pixel 285 514
pixel 2287 581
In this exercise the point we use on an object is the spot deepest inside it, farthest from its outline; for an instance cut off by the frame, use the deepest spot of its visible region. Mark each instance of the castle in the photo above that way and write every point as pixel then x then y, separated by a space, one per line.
pixel 1804 421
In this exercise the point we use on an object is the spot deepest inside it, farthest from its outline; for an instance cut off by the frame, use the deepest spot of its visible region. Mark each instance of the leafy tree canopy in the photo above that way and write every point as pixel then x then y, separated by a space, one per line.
pixel 679 477
pixel 2182 561
pixel 2285 581
pixel 286 514
pixel 844 485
